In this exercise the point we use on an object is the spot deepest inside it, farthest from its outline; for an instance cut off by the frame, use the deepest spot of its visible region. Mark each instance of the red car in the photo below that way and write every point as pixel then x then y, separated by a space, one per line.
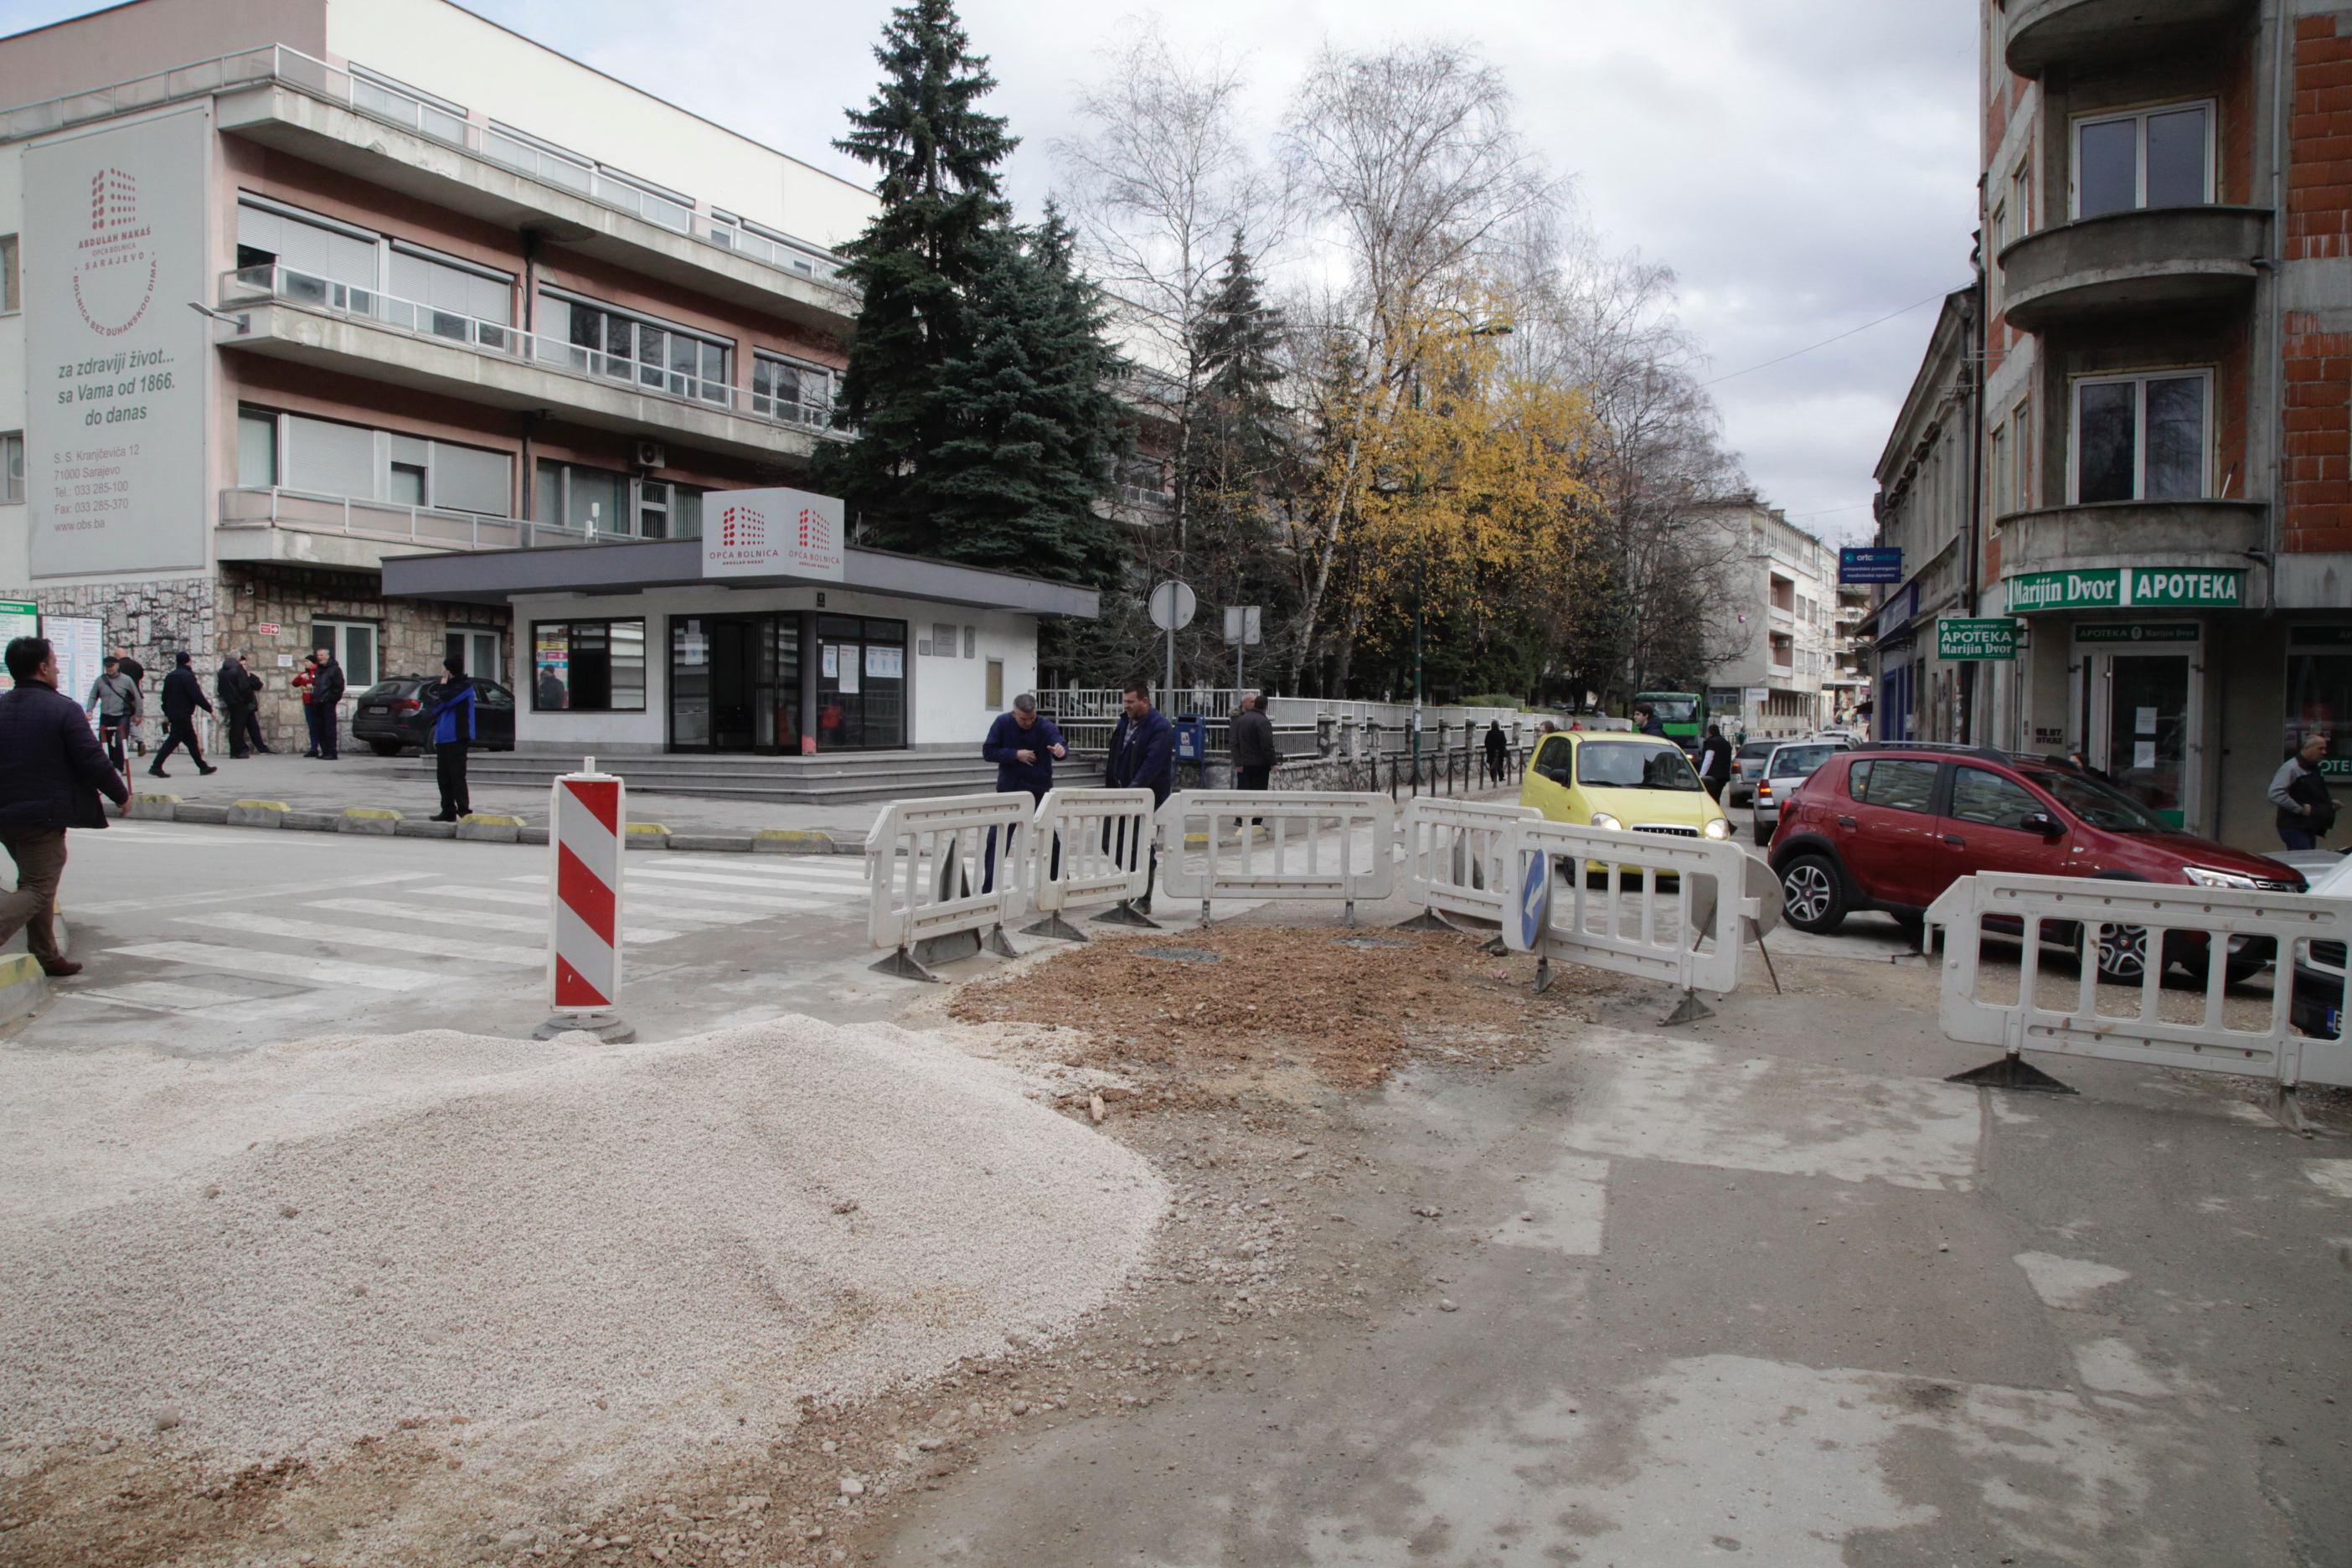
pixel 1891 826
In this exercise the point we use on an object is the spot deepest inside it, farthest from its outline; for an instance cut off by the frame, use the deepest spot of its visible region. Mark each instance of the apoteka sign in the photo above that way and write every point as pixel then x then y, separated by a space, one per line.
pixel 771 533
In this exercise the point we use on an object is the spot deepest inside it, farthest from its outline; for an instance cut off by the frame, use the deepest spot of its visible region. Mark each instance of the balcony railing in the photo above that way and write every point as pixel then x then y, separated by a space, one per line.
pixel 1144 499
pixel 248 285
pixel 543 162
pixel 306 511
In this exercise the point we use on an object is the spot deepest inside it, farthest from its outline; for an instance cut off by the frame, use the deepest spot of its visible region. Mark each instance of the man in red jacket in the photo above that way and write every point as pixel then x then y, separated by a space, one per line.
pixel 51 775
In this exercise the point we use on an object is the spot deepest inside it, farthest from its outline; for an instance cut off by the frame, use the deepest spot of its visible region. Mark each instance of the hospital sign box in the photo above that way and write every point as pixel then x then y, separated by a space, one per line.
pixel 1957 639
pixel 114 250
pixel 771 533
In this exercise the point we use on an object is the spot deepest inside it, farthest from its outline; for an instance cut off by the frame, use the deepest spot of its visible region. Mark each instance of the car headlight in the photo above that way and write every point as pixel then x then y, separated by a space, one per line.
pixel 1717 827
pixel 2205 877
pixel 1602 820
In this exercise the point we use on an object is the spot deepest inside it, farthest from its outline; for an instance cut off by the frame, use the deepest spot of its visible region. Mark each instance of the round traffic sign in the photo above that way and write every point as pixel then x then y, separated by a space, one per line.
pixel 1172 604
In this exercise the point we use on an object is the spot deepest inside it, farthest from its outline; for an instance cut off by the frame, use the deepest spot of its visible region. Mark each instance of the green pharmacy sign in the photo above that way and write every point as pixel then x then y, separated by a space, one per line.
pixel 1958 638
pixel 2127 587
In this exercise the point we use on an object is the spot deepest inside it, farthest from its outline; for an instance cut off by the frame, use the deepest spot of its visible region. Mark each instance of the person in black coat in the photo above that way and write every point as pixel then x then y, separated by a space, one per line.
pixel 1142 757
pixel 51 775
pixel 239 690
pixel 326 690
pixel 1497 753
pixel 182 695
pixel 1714 762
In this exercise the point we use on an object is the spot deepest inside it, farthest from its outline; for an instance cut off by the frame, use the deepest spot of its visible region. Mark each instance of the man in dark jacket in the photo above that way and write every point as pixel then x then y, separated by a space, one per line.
pixel 1142 757
pixel 449 709
pixel 1714 762
pixel 2305 810
pixel 235 687
pixel 1023 746
pixel 51 775
pixel 326 690
pixel 1645 721
pixel 1497 753
pixel 1253 751
pixel 137 672
pixel 182 695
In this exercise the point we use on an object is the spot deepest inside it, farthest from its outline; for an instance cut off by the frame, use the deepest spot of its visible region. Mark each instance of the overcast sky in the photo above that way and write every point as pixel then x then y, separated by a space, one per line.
pixel 1805 165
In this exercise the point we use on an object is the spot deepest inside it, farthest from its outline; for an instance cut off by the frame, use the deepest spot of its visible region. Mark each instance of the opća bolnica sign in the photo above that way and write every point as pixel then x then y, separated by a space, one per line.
pixel 771 533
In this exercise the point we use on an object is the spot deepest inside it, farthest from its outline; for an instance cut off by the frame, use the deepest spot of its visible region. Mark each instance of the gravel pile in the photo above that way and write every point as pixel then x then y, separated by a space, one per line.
pixel 604 1257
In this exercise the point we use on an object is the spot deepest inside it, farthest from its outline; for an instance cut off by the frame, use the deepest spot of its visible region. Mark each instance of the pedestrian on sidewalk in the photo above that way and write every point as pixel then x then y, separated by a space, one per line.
pixel 235 689
pixel 1499 751
pixel 449 709
pixel 182 695
pixel 326 690
pixel 306 679
pixel 1715 763
pixel 137 672
pixel 1255 755
pixel 1142 757
pixel 114 698
pixel 51 775
pixel 253 688
pixel 2307 811
pixel 1024 745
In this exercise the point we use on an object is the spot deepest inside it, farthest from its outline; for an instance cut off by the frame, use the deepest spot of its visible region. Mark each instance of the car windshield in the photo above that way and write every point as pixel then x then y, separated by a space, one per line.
pixel 1626 765
pixel 1671 710
pixel 1799 761
pixel 1756 751
pixel 2097 805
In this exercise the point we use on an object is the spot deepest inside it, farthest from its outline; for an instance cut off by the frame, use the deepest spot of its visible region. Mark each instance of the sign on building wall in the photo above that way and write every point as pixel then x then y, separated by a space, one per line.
pixel 1870 564
pixel 1959 639
pixel 771 533
pixel 2127 587
pixel 2136 632
pixel 79 644
pixel 114 360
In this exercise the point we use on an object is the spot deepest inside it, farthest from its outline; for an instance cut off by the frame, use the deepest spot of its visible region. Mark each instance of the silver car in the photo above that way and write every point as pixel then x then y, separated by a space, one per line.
pixel 1747 767
pixel 1791 763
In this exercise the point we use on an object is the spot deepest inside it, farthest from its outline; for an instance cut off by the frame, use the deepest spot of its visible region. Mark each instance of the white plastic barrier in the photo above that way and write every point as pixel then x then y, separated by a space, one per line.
pixel 1307 844
pixel 2128 1023
pixel 931 874
pixel 1456 853
pixel 1687 934
pixel 1085 847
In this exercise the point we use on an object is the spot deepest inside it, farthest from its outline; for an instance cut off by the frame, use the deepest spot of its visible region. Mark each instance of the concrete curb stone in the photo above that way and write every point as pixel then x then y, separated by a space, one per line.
pixel 151 807
pixel 489 827
pixel 188 811
pixel 531 835
pixel 791 841
pixel 735 843
pixel 648 836
pixel 24 989
pixel 313 821
pixel 258 813
pixel 406 829
pixel 377 820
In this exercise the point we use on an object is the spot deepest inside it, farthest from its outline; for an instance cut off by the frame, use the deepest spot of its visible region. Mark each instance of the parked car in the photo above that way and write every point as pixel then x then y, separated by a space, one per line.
pixel 1640 783
pixel 1786 766
pixel 1888 828
pixel 2319 1000
pixel 1747 767
pixel 391 716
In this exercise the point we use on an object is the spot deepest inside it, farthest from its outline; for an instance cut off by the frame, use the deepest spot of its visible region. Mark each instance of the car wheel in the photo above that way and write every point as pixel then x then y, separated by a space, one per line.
pixel 386 748
pixel 2122 954
pixel 1811 896
pixel 1764 830
pixel 2242 967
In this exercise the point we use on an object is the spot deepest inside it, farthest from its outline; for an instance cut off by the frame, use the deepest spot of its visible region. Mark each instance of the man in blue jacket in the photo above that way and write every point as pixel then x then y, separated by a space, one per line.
pixel 1023 747
pixel 1142 757
pixel 449 704
pixel 51 775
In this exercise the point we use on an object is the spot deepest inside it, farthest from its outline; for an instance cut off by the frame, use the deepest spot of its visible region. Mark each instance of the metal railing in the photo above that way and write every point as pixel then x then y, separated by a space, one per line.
pixel 542 161
pixel 272 282
pixel 1147 499
pixel 307 512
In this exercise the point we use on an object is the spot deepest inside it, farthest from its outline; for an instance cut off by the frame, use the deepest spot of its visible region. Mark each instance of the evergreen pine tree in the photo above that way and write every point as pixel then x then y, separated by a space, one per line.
pixel 1241 447
pixel 936 155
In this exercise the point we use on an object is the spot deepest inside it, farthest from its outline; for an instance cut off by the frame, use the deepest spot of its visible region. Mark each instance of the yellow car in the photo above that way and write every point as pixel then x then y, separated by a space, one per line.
pixel 1636 784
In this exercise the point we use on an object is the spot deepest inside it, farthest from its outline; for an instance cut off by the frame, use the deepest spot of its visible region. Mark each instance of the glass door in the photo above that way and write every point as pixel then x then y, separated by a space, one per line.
pixel 861 683
pixel 734 683
pixel 2146 731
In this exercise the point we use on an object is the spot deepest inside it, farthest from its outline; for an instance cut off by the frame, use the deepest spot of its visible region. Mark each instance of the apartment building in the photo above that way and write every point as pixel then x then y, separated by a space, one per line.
pixel 1781 622
pixel 1923 507
pixel 2164 410
pixel 373 325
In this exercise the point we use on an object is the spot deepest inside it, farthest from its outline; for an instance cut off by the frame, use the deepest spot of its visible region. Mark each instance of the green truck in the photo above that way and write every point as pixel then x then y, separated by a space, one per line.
pixel 1683 713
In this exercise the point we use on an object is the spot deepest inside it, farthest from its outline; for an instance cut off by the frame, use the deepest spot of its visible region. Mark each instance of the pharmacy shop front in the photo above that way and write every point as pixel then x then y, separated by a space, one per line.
pixel 632 650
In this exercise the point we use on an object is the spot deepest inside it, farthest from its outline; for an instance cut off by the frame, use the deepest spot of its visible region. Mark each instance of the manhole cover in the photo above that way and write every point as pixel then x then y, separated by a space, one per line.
pixel 1183 954
pixel 1362 942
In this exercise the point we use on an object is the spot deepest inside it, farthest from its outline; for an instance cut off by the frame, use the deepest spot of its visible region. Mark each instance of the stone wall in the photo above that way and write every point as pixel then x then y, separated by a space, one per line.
pixel 155 617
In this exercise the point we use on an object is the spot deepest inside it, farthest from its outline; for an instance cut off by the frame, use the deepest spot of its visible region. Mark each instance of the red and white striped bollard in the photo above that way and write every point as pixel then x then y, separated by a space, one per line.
pixel 587 827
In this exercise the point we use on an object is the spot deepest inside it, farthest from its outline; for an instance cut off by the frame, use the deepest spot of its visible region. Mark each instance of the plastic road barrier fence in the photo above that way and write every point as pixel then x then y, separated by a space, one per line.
pixel 1632 922
pixel 587 818
pixel 934 884
pixel 1258 843
pixel 1455 853
pixel 2128 1023
pixel 1080 852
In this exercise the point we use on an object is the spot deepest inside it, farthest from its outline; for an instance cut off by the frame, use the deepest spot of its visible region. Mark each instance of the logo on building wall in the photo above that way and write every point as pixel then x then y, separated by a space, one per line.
pixel 115 264
pixel 782 532
pixel 817 544
pixel 743 528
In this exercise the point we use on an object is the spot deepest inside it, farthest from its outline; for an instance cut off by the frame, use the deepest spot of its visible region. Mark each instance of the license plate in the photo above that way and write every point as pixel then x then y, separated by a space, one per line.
pixel 377 708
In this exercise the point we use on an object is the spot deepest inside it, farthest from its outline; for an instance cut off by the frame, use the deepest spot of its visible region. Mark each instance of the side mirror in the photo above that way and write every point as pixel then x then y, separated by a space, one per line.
pixel 2044 824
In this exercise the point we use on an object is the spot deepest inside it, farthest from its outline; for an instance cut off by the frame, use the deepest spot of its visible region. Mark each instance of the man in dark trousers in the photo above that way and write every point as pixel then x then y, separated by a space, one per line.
pixel 1497 753
pixel 1714 762
pixel 114 698
pixel 252 708
pixel 1142 757
pixel 182 695
pixel 236 689
pixel 51 775
pixel 449 706
pixel 137 672
pixel 2305 810
pixel 1252 744
pixel 326 690
pixel 1025 747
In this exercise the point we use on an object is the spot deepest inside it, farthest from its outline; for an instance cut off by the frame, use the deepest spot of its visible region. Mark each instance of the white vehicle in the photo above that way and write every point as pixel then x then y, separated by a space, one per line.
pixel 1791 764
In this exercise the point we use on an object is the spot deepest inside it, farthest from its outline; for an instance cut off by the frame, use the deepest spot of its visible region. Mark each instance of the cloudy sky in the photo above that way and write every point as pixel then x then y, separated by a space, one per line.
pixel 1805 165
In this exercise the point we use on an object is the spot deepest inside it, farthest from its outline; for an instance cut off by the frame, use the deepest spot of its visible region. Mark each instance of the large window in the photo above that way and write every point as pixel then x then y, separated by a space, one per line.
pixel 607 505
pixel 656 355
pixel 2149 158
pixel 1896 785
pixel 12 469
pixel 2141 438
pixel 341 267
pixel 11 302
pixel 2319 694
pixel 588 667
pixel 797 393
pixel 325 457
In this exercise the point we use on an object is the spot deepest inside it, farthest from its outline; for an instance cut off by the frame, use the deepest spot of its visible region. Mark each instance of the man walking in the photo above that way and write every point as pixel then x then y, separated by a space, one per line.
pixel 1498 751
pixel 136 673
pixel 1252 744
pixel 182 695
pixel 236 694
pixel 449 708
pixel 1715 763
pixel 2305 810
pixel 51 775
pixel 252 706
pixel 1142 757
pixel 1025 747
pixel 114 698
pixel 326 690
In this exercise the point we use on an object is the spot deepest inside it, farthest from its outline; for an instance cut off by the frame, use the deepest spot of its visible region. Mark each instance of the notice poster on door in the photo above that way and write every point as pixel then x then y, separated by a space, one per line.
pixel 832 662
pixel 2143 722
pixel 2144 753
pixel 848 687
pixel 551 668
pixel 886 663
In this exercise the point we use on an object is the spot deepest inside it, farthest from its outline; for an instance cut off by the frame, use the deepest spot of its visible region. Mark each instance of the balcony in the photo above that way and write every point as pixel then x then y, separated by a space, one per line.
pixel 2193 535
pixel 2157 257
pixel 337 532
pixel 2048 34
pixel 294 315
pixel 284 99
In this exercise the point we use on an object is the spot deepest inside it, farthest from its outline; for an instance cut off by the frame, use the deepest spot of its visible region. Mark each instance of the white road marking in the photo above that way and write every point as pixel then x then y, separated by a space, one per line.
pixel 258 894
pixel 485 919
pixel 683 892
pixel 282 966
pixel 686 917
pixel 845 868
pixel 339 934
pixel 2067 1283
pixel 713 879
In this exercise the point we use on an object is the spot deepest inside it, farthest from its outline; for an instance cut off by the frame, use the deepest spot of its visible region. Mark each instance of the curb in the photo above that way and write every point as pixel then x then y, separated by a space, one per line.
pixel 258 813
pixel 151 807
pixel 407 829
pixel 375 820
pixel 489 827
pixel 792 841
pixel 649 836
pixel 24 989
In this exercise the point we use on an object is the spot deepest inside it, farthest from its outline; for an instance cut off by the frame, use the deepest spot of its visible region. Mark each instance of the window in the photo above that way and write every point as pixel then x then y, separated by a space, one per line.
pixel 668 510
pixel 325 458
pixel 800 393
pixel 10 301
pixel 2150 158
pixel 588 667
pixel 318 261
pixel 1624 764
pixel 478 650
pixel 1898 786
pixel 407 485
pixel 256 449
pixel 2004 477
pixel 353 644
pixel 2319 694
pixel 12 469
pixel 2021 456
pixel 994 690
pixel 2140 438
pixel 616 506
pixel 1552 760
pixel 2020 199
pixel 654 354
pixel 1982 795
pixel 455 299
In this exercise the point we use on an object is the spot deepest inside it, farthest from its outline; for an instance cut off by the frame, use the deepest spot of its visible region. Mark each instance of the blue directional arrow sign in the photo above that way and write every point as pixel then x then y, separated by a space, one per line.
pixel 1535 900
